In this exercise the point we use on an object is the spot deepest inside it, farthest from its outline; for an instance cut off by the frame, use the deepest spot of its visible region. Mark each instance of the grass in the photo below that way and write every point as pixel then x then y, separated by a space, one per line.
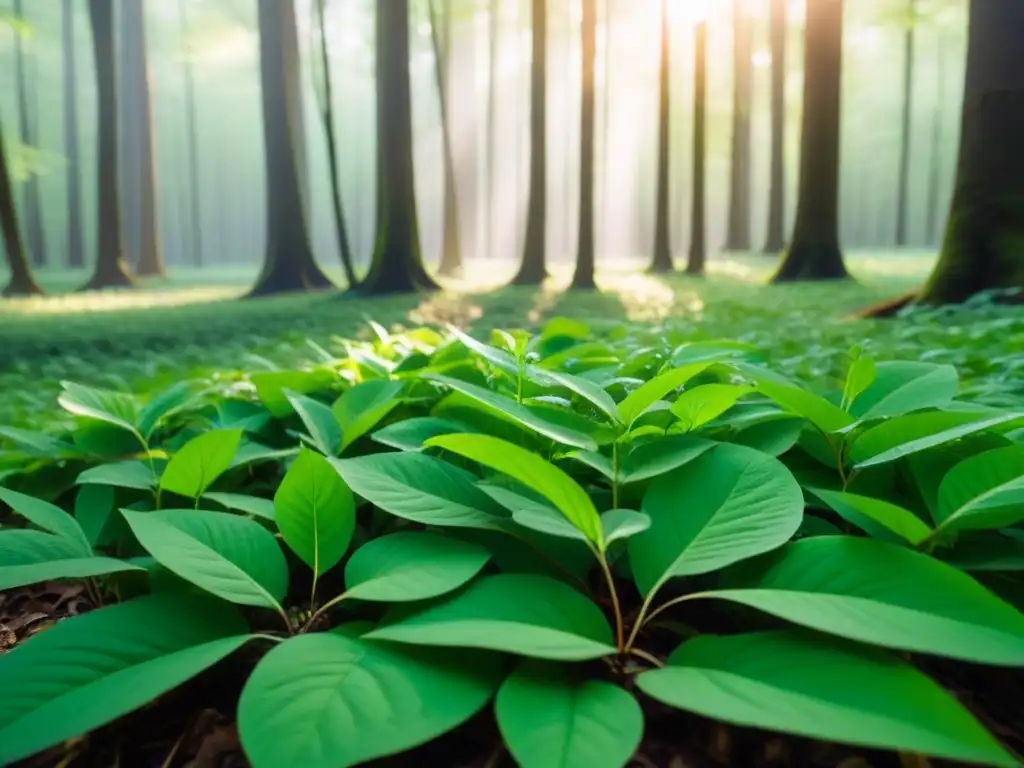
pixel 192 325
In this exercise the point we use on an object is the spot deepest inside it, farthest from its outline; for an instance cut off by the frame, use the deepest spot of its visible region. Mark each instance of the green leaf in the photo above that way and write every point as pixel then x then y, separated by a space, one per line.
pixel 320 422
pixel 200 461
pixel 588 390
pixel 36 443
pixel 411 566
pixel 882 594
pixel 982 492
pixel 362 407
pixel 526 614
pixel 532 471
pixel 97 667
pixel 696 407
pixel 315 511
pixel 48 517
pixel 807 685
pixel 411 434
pixel 903 386
pixel 861 375
pixel 728 504
pixel 772 436
pixel 230 556
pixel 160 406
pixel 518 413
pixel 816 409
pixel 30 557
pixel 271 387
pixel 906 435
pixel 620 524
pixel 94 508
pixel 646 395
pixel 330 700
pixel 116 408
pixel 656 457
pixel 122 474
pixel 254 453
pixel 596 461
pixel 987 551
pixel 550 719
pixel 499 358
pixel 239 502
pixel 421 488
pixel 854 508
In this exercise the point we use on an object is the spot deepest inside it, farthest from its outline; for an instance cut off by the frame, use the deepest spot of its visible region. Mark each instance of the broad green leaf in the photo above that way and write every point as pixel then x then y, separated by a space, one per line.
pixel 48 517
pixel 140 475
pixel 362 407
pixel 903 386
pixel 620 524
pixel 315 511
pixel 30 557
pixel 854 508
pixel 36 443
pixel 727 505
pixel 252 505
pixel 95 668
pixel 859 377
pixel 696 407
pixel 320 423
pixel 200 461
pixel 499 358
pixel 987 551
pixel 549 718
pixel 517 613
pixel 271 387
pixel 94 508
pixel 882 594
pixel 811 686
pixel 411 434
pixel 646 395
pixel 160 406
pixel 771 436
pixel 656 457
pixel 230 556
pixel 532 471
pixel 117 408
pixel 254 453
pixel 596 461
pixel 710 351
pixel 820 412
pixel 906 435
pixel 421 488
pixel 588 390
pixel 411 566
pixel 530 510
pixel 334 700
pixel 984 491
pixel 518 413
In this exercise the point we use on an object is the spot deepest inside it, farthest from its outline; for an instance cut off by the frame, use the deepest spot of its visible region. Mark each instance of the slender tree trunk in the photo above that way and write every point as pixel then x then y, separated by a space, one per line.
pixel 698 233
pixel 110 270
pixel 195 241
pixel 533 270
pixel 75 241
pixel 662 261
pixel 21 283
pixel 492 125
pixel 327 116
pixel 584 275
pixel 906 123
pixel 149 259
pixel 289 264
pixel 28 116
pixel 776 239
pixel 984 243
pixel 451 253
pixel 814 252
pixel 935 160
pixel 397 262
pixel 738 235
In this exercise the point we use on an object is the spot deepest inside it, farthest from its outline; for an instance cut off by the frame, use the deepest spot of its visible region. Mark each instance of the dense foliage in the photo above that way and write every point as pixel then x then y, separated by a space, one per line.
pixel 577 526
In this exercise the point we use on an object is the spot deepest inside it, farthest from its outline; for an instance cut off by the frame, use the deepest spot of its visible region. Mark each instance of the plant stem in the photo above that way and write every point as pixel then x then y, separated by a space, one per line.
pixel 649 658
pixel 640 620
pixel 271 638
pixel 323 609
pixel 665 606
pixel 619 629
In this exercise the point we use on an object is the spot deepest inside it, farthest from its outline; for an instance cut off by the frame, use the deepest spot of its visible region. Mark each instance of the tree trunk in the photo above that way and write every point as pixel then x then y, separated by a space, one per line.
pixel 21 283
pixel 776 239
pixel 492 126
pixel 606 114
pixel 698 233
pixel 75 240
pixel 533 270
pixel 662 261
pixel 397 265
pixel 814 252
pixel 289 264
pixel 738 234
pixel 192 138
pixel 936 154
pixel 110 270
pixel 583 278
pixel 135 80
pixel 906 123
pixel 28 117
pixel 984 243
pixel 327 116
pixel 451 253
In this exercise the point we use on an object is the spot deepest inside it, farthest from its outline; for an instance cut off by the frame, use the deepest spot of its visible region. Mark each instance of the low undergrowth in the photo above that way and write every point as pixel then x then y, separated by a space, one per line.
pixel 549 542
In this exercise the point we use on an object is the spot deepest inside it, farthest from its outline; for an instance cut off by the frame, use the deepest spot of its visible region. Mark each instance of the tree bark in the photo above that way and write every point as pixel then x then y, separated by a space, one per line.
pixel 397 265
pixel 814 252
pixel 327 116
pixel 451 252
pixel 738 234
pixel 662 261
pixel 698 217
pixel 936 154
pixel 492 125
pixel 533 270
pixel 289 264
pixel 776 239
pixel 110 270
pixel 906 123
pixel 583 278
pixel 21 283
pixel 75 239
pixel 192 138
pixel 984 242
pixel 28 117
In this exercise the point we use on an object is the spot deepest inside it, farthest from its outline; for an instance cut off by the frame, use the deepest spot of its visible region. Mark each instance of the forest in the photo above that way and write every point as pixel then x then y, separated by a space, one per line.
pixel 492 383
